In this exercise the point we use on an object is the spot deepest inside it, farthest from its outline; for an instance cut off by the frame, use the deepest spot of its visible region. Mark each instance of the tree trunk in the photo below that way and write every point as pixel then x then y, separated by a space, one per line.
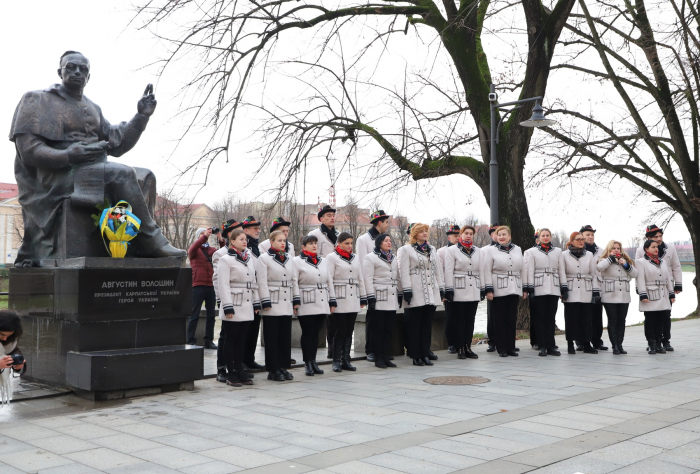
pixel 692 221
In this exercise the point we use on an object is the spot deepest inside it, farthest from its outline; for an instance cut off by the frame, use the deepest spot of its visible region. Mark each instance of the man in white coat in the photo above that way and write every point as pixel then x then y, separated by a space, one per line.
pixel 669 255
pixel 251 228
pixel 597 324
pixel 452 239
pixel 281 224
pixel 364 246
pixel 490 328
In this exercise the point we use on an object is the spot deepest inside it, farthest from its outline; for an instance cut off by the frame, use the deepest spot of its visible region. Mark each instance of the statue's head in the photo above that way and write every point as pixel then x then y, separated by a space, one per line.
pixel 74 70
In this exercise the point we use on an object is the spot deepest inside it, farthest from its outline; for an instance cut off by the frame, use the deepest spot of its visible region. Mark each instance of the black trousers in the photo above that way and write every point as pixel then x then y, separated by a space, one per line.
pixel 534 322
pixel 369 332
pixel 450 327
pixel 277 331
pixel 490 328
pixel 504 312
pixel 206 295
pixel 381 331
pixel 666 329
pixel 654 325
pixel 463 315
pixel 577 317
pixel 597 324
pixel 617 316
pixel 221 348
pixel 344 325
pixel 251 340
pixel 310 326
pixel 544 312
pixel 330 329
pixel 420 330
pixel 234 343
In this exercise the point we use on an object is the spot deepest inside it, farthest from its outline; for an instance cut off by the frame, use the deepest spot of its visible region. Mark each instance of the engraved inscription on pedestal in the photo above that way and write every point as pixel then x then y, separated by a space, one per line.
pixel 89 185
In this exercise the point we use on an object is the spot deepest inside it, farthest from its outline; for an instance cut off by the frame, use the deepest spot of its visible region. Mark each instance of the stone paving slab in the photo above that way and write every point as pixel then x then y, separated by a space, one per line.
pixel 584 413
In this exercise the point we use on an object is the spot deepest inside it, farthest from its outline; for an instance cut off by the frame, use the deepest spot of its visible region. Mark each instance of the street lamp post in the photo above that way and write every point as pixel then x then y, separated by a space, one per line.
pixel 537 120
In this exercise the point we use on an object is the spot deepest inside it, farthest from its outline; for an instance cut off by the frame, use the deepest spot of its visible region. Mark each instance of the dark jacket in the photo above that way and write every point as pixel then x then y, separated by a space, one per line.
pixel 200 261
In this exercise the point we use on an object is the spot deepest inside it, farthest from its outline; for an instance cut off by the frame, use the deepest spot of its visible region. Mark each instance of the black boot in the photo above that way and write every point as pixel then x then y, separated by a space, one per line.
pixel 452 350
pixel 554 352
pixel 461 353
pixel 588 349
pixel 316 368
pixel 427 361
pixel 616 348
pixel 276 376
pixel 221 375
pixel 345 360
pixel 470 354
pixel 668 347
pixel 371 357
pixel 652 348
pixel 432 356
pixel 571 349
pixel 491 348
pixel 388 362
pixel 286 374
pixel 337 355
pixel 543 352
pixel 418 362
pixel 308 368
pixel 660 348
pixel 619 346
pixel 379 361
pixel 244 377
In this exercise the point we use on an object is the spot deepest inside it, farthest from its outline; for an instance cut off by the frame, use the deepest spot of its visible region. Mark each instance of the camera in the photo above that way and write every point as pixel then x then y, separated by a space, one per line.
pixel 215 230
pixel 17 359
pixel 493 97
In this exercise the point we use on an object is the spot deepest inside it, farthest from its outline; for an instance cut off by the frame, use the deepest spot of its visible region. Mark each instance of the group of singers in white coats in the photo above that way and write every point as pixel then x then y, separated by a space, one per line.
pixel 328 282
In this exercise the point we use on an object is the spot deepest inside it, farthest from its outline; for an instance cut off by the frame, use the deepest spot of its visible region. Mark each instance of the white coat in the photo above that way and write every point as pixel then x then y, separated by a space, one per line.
pixel 579 276
pixel 315 286
pixel 279 287
pixel 238 288
pixel 215 263
pixel 541 275
pixel 463 272
pixel 365 243
pixel 654 283
pixel 265 246
pixel 615 281
pixel 325 245
pixel 421 275
pixel 382 281
pixel 348 284
pixel 502 269
pixel 669 255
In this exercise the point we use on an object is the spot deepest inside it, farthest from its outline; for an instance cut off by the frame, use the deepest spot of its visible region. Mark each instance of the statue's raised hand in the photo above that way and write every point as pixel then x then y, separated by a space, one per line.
pixel 147 103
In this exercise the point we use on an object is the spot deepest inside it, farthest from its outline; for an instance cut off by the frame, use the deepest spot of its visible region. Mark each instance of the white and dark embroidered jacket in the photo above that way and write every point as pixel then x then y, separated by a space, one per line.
pixel 421 276
pixel 365 243
pixel 578 277
pixel 615 280
pixel 669 255
pixel 237 286
pixel 541 271
pixel 215 263
pixel 265 246
pixel 464 280
pixel 327 240
pixel 382 281
pixel 253 247
pixel 315 286
pixel 348 283
pixel 279 284
pixel 503 267
pixel 654 284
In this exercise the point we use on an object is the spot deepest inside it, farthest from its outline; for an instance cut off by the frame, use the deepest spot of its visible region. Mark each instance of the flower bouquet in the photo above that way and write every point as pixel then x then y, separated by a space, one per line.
pixel 120 226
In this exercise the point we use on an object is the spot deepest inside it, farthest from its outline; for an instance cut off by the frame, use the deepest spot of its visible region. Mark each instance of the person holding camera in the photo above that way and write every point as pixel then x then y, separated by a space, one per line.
pixel 12 359
pixel 200 254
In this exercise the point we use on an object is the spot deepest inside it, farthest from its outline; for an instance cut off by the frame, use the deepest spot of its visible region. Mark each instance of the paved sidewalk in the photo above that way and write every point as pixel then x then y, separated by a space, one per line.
pixel 560 415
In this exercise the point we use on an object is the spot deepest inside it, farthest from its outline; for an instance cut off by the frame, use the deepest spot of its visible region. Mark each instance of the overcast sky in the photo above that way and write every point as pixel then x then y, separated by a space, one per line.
pixel 34 34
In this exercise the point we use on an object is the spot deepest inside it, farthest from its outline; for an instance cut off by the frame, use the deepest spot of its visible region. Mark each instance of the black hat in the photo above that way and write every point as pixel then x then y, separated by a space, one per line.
pixel 228 226
pixel 453 230
pixel 277 222
pixel 250 221
pixel 587 228
pixel 323 210
pixel 493 228
pixel 652 230
pixel 408 229
pixel 377 216
pixel 537 234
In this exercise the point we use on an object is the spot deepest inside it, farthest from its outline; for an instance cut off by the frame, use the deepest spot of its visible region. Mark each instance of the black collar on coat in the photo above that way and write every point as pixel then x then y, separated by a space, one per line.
pixel 253 245
pixel 352 256
pixel 653 262
pixel 245 259
pixel 373 233
pixel 546 252
pixel 420 251
pixel 593 248
pixel 464 250
pixel 583 253
pixel 493 243
pixel 276 257
pixel 449 244
pixel 383 257
pixel 309 261
pixel 662 250
pixel 331 234
pixel 505 249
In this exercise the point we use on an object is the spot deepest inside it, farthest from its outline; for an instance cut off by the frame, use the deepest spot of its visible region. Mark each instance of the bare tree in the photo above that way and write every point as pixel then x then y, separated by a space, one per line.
pixel 438 231
pixel 559 239
pixel 227 208
pixel 350 214
pixel 173 214
pixel 646 53
pixel 398 233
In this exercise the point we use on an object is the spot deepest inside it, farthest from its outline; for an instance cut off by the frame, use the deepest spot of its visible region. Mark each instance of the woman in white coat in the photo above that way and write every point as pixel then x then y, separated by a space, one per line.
pixel 381 274
pixel 423 289
pixel 656 294
pixel 317 299
pixel 464 288
pixel 238 292
pixel 350 296
pixel 541 282
pixel 503 268
pixel 616 269
pixel 578 273
pixel 279 297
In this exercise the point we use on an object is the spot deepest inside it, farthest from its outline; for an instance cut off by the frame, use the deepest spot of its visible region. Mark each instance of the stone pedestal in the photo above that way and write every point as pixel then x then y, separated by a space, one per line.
pixel 107 327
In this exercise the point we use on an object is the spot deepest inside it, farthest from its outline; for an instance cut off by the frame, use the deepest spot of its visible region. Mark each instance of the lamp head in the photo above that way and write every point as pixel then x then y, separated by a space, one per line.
pixel 538 119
